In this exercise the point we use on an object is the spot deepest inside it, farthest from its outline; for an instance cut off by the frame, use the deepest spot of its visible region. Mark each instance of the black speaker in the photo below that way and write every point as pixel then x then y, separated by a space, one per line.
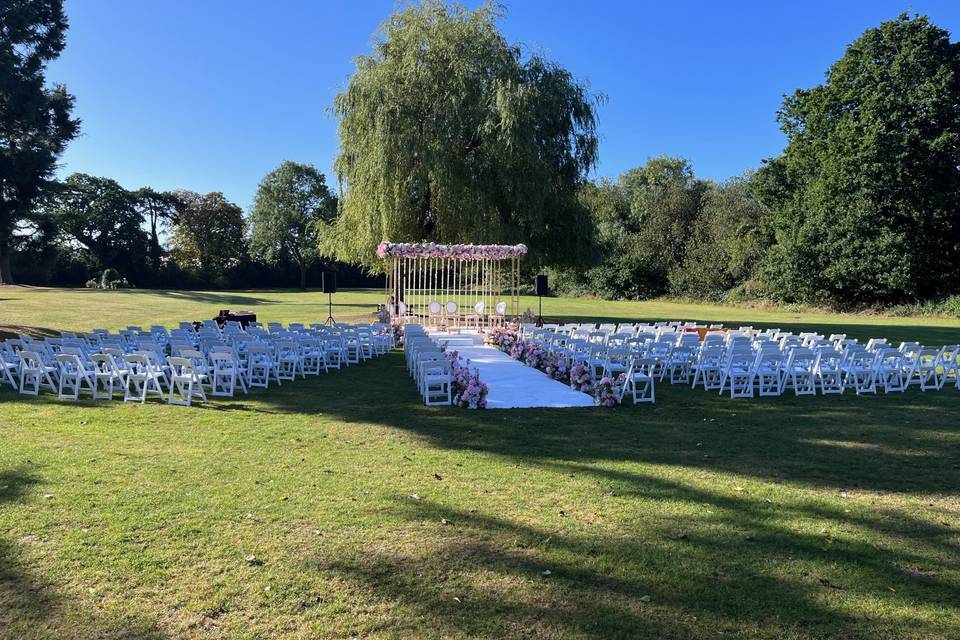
pixel 329 282
pixel 542 289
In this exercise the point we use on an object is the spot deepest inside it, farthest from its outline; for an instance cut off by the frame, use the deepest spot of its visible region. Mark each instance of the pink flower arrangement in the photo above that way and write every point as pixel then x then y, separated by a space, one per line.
pixel 557 367
pixel 607 391
pixel 457 251
pixel 581 377
pixel 516 349
pixel 504 338
pixel 468 391
pixel 533 355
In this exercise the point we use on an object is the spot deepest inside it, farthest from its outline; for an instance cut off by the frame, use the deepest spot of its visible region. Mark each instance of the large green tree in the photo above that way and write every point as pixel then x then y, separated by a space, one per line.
pixel 101 217
pixel 449 133
pixel 291 209
pixel 866 193
pixel 209 234
pixel 642 221
pixel 35 122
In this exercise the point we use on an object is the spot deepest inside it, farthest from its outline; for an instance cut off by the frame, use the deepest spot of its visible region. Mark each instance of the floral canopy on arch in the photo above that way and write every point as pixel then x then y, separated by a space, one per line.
pixel 455 251
pixel 451 284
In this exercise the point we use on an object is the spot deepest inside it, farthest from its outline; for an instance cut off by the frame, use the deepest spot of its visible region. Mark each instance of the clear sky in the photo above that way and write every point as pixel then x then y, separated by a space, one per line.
pixel 210 95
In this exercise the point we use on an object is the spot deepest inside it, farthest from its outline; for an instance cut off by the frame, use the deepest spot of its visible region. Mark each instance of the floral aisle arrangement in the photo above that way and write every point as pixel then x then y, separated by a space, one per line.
pixel 533 355
pixel 504 338
pixel 467 389
pixel 608 391
pixel 557 366
pixel 581 378
pixel 383 317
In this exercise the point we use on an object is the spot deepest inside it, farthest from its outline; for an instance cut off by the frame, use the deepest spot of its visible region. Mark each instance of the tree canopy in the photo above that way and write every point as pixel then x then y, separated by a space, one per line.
pixel 101 216
pixel 209 234
pixel 291 207
pixel 865 194
pixel 449 133
pixel 35 122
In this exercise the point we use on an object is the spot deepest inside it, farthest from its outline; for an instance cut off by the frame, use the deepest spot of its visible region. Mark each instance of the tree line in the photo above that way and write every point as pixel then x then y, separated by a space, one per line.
pixel 91 230
pixel 85 226
pixel 861 208
pixel 450 133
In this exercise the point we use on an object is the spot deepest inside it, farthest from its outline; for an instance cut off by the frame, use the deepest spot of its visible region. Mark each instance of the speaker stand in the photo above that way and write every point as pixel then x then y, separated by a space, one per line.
pixel 540 313
pixel 329 321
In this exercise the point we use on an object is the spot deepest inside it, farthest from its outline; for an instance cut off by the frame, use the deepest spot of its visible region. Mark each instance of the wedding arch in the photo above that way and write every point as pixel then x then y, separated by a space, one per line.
pixel 452 284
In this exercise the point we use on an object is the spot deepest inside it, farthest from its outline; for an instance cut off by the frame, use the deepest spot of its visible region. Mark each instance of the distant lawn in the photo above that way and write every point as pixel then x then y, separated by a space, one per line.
pixel 376 517
pixel 83 309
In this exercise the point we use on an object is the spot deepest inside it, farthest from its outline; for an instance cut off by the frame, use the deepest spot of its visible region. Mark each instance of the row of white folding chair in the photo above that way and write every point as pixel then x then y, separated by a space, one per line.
pixel 143 372
pixel 771 370
pixel 428 366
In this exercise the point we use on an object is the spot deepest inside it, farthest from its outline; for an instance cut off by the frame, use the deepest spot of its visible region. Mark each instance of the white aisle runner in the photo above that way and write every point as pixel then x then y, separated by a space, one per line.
pixel 513 384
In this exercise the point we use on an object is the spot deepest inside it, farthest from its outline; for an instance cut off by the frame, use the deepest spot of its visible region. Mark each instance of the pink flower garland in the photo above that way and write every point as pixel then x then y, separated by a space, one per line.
pixel 457 251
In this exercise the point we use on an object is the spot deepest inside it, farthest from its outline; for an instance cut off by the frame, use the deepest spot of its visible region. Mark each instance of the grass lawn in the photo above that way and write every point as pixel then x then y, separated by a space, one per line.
pixel 372 516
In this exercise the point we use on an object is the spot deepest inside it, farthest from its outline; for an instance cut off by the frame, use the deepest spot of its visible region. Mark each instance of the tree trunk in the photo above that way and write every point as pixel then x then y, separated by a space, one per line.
pixel 6 277
pixel 154 243
pixel 303 277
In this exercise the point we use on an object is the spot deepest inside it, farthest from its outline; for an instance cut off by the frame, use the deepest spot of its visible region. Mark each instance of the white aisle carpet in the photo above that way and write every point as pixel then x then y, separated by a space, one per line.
pixel 513 384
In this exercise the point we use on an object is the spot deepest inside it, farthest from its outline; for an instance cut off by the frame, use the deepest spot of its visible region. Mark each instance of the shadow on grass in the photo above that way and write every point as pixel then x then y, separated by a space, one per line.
pixel 906 442
pixel 14 330
pixel 712 562
pixel 30 607
pixel 742 570
pixel 743 563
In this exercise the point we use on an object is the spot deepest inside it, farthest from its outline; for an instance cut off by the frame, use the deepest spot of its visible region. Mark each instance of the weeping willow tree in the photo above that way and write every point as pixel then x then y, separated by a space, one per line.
pixel 449 133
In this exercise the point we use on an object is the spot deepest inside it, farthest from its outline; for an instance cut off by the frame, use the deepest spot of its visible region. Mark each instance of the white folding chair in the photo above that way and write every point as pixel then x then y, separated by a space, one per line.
pixel 828 371
pixel 639 380
pixel 437 381
pixel 186 383
pixel 34 374
pixel 142 378
pixel 798 372
pixel 73 377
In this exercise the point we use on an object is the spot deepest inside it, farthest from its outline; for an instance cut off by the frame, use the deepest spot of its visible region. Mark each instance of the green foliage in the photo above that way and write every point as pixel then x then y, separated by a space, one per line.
pixel 642 222
pixel 209 234
pixel 949 306
pixel 292 207
pixel 725 242
pixel 864 196
pixel 35 122
pixel 101 217
pixel 449 134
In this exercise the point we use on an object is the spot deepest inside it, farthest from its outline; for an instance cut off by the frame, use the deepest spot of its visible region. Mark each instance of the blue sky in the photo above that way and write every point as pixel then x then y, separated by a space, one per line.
pixel 210 95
